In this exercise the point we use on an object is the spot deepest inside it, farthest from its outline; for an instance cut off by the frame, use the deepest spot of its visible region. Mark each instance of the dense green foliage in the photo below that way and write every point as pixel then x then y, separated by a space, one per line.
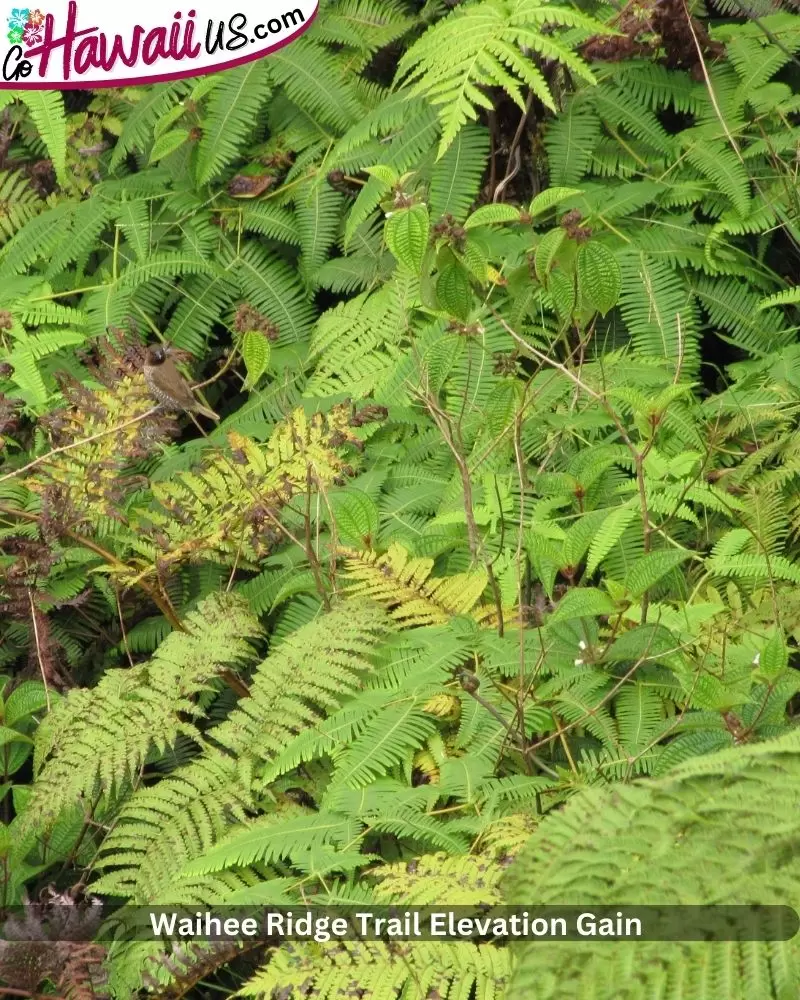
pixel 729 813
pixel 495 549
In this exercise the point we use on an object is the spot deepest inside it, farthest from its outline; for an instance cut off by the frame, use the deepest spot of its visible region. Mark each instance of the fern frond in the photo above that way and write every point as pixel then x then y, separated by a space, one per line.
pixel 570 140
pixel 96 741
pixel 271 286
pixel 317 220
pixel 405 585
pixel 232 111
pixel 311 671
pixel 18 203
pixel 46 108
pixel 314 80
pixel 423 969
pixel 365 25
pixel 160 828
pixel 658 309
pixel 478 45
pixel 457 176
pixel 218 512
pixel 151 105
pixel 727 853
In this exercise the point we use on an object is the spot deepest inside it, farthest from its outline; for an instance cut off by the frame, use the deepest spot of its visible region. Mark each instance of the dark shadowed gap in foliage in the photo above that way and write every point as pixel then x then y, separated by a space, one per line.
pixel 76 101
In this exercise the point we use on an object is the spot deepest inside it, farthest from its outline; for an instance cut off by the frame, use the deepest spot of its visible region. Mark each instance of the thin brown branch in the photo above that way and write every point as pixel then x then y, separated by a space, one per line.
pixel 124 634
pixel 443 424
pixel 545 359
pixel 42 670
pixel 509 727
pixel 514 156
pixel 311 555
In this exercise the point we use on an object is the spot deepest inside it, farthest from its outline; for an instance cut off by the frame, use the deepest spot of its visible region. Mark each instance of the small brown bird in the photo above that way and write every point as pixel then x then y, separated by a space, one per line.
pixel 168 386
pixel 301 797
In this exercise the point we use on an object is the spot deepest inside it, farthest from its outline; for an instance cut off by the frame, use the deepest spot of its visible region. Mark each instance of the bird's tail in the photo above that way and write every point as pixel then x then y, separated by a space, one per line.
pixel 205 412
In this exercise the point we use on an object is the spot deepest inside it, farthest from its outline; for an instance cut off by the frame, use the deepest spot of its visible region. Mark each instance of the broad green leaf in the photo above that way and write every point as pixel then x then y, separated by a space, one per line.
pixel 582 602
pixel 256 353
pixel 26 699
pixel 16 753
pixel 774 658
pixel 175 112
pixel 204 86
pixel 561 287
pixel 441 356
pixel 475 260
pixel 599 276
pixel 168 143
pixel 20 796
pixel 407 231
pixel 552 196
pixel 546 251
pixel 454 292
pixel 12 736
pixel 652 567
pixel 487 214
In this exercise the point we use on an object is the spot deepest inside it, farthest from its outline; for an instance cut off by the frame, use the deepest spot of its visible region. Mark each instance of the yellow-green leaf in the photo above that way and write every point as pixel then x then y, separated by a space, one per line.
pixel 454 292
pixel 487 214
pixel 599 276
pixel 256 352
pixel 546 251
pixel 552 196
pixel 407 232
pixel 168 143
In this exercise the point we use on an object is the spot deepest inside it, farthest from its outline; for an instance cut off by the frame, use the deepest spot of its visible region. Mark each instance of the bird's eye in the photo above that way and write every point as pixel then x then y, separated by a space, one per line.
pixel 158 355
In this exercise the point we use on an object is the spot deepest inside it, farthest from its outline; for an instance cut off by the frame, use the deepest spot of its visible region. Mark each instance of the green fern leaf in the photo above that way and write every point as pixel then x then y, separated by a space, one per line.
pixel 476 46
pixel 608 534
pixel 721 165
pixel 153 103
pixel 233 108
pixel 651 568
pixel 73 759
pixel 582 602
pixel 407 232
pixel 270 839
pixel 599 277
pixel 724 856
pixel 46 108
pixel 457 176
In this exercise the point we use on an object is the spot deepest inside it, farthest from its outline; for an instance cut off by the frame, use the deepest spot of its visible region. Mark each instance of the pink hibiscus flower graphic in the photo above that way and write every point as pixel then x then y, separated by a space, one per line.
pixel 32 35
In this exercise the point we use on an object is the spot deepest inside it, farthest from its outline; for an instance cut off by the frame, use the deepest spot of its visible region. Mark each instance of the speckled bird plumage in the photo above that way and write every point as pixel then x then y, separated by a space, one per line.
pixel 168 386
